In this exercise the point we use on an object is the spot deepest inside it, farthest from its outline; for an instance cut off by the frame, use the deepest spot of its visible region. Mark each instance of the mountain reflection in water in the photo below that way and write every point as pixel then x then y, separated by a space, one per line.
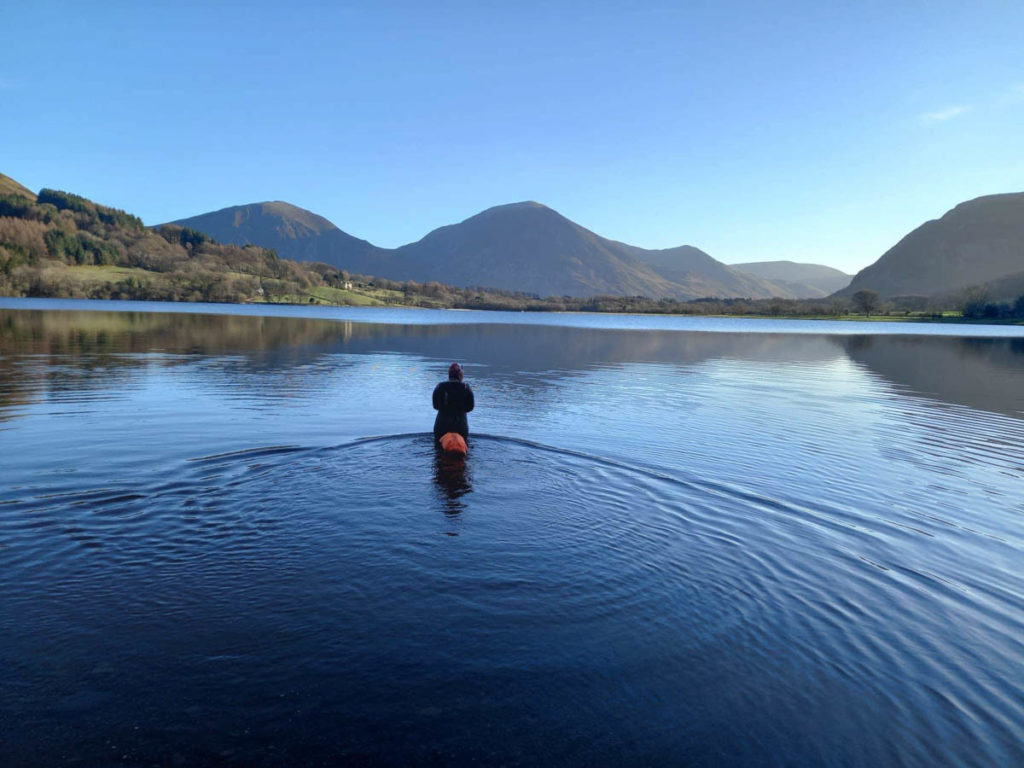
pixel 230 540
pixel 979 373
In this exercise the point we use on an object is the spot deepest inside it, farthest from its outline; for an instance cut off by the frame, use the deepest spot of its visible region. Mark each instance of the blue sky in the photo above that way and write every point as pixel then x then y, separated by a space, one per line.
pixel 813 131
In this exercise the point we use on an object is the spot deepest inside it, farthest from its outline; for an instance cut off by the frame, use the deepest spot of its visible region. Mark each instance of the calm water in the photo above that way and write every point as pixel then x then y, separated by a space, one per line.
pixel 675 541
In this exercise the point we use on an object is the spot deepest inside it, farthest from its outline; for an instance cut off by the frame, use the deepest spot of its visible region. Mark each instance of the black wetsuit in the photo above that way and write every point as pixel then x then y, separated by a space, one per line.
pixel 452 401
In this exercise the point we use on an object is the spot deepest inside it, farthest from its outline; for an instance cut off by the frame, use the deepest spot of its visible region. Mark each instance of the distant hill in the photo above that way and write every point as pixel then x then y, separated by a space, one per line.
pixel 524 247
pixel 1005 288
pixel 802 281
pixel 529 247
pixel 293 232
pixel 703 275
pixel 977 242
pixel 9 186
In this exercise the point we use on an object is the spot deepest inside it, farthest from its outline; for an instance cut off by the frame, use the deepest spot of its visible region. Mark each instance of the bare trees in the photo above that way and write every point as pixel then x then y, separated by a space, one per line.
pixel 865 301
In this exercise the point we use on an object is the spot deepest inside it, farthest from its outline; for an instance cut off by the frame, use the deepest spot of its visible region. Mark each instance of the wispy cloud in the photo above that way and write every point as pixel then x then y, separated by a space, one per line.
pixel 942 115
pixel 1010 96
pixel 1013 95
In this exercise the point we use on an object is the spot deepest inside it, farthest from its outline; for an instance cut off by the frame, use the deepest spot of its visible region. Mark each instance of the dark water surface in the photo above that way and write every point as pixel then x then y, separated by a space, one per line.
pixel 675 542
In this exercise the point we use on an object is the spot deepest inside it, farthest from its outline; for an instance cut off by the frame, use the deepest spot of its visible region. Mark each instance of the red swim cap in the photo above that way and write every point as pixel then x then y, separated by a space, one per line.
pixel 455 371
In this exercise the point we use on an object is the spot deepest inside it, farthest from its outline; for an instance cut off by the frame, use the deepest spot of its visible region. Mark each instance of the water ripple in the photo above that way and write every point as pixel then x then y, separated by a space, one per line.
pixel 589 578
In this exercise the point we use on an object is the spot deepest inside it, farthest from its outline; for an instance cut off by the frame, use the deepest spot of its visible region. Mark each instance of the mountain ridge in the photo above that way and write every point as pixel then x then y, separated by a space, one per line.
pixel 499 247
pixel 523 246
pixel 294 232
pixel 61 244
pixel 9 186
pixel 801 279
pixel 978 241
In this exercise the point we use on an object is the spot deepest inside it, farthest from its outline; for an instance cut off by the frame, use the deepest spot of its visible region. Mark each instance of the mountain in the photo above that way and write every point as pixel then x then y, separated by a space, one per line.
pixel 9 186
pixel 529 247
pixel 802 281
pixel 524 247
pixel 702 274
pixel 979 241
pixel 293 232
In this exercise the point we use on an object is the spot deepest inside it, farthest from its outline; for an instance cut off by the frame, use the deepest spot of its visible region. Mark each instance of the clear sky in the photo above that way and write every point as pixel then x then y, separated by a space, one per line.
pixel 805 130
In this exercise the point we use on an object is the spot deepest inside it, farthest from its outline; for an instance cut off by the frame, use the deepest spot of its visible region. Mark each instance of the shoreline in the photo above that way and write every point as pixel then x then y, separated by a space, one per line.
pixel 946 319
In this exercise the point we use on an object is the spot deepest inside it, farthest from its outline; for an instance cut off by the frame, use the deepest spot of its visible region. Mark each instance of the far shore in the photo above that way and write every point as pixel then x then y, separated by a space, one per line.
pixel 947 318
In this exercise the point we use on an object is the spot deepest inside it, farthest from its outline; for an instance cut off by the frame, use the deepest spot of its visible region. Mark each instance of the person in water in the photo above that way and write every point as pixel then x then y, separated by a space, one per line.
pixel 453 399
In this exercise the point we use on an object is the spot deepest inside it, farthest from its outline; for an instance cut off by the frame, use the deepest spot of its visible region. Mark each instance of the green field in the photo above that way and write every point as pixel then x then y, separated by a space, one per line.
pixel 326 295
pixel 94 274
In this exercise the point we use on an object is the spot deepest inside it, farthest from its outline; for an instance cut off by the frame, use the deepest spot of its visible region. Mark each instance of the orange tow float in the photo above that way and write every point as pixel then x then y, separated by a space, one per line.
pixel 453 442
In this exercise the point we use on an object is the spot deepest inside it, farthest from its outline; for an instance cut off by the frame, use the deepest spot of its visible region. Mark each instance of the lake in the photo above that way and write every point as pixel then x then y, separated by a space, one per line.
pixel 226 538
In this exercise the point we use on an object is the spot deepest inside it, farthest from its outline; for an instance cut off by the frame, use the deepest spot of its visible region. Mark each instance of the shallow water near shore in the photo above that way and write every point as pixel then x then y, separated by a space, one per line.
pixel 228 539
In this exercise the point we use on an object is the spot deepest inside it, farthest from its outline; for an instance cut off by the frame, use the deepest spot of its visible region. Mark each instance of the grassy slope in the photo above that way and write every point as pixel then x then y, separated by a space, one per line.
pixel 94 274
pixel 323 294
pixel 9 186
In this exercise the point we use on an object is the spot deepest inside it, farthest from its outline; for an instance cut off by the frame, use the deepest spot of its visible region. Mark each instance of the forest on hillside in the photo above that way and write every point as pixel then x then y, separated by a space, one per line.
pixel 43 241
